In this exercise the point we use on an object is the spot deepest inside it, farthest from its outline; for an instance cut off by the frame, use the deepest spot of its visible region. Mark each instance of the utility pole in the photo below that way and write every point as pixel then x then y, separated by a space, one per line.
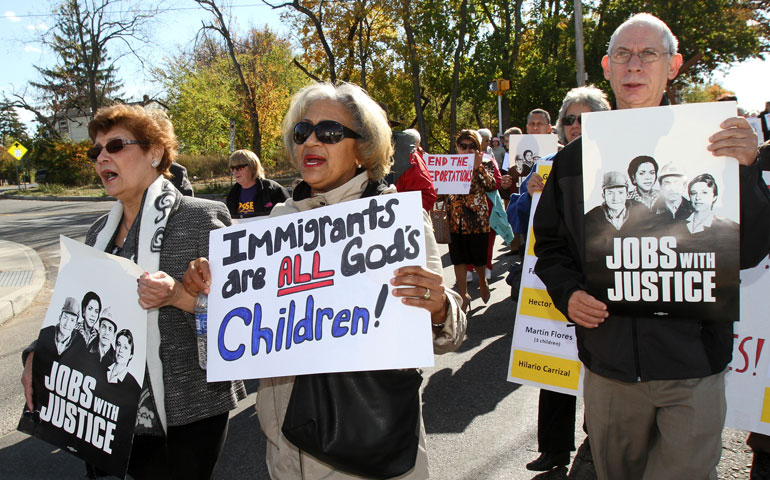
pixel 498 87
pixel 581 63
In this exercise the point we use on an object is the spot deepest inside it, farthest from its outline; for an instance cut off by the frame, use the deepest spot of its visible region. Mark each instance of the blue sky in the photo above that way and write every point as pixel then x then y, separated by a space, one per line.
pixel 21 22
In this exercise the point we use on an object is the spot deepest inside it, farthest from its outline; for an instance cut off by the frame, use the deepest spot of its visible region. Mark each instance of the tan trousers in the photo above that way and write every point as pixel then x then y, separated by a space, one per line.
pixel 655 430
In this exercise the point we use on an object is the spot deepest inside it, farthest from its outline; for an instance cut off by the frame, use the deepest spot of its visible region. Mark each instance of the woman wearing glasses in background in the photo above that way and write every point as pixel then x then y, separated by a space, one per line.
pixel 253 195
pixel 469 219
pixel 163 231
pixel 556 411
pixel 340 140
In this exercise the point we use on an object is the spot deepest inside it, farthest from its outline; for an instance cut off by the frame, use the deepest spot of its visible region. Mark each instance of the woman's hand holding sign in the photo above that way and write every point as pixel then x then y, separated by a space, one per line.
pixel 421 288
pixel 197 278
pixel 160 289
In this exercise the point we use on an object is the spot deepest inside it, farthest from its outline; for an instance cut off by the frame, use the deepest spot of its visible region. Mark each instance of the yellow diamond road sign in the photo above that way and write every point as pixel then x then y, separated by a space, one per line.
pixel 17 150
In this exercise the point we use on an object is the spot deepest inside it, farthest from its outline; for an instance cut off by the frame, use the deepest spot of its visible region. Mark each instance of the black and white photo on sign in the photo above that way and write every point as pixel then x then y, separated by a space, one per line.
pixel 89 359
pixel 525 150
pixel 661 212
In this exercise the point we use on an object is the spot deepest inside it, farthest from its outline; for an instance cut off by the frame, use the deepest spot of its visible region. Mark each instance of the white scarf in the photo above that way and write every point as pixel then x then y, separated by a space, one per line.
pixel 161 196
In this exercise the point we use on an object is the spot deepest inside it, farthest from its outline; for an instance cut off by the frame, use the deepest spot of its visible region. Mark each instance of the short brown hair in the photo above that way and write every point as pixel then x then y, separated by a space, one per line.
pixel 149 126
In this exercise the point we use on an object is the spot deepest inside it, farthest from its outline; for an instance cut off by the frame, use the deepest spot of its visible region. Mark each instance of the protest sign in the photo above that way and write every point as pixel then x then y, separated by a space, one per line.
pixel 89 360
pixel 543 350
pixel 451 174
pixel 661 212
pixel 527 150
pixel 310 292
pixel 748 378
pixel 756 125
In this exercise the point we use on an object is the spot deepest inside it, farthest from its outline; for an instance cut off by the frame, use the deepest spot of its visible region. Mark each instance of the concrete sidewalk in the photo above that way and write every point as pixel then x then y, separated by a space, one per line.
pixel 22 275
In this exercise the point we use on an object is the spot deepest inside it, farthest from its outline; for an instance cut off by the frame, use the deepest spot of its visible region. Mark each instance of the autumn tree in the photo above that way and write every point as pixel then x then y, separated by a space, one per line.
pixel 205 92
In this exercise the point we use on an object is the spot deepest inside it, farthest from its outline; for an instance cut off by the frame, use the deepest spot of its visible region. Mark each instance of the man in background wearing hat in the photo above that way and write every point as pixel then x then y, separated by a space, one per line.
pixel 62 340
pixel 654 387
pixel 672 204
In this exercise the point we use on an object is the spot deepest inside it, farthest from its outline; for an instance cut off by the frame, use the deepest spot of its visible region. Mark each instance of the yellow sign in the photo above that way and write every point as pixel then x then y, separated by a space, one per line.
pixel 545 369
pixel 765 417
pixel 544 171
pixel 17 150
pixel 536 303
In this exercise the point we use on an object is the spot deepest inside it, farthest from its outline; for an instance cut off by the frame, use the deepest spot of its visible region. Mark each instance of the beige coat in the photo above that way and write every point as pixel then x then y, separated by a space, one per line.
pixel 284 460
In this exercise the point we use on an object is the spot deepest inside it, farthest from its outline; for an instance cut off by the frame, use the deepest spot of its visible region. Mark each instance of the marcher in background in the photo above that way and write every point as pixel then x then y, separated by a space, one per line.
pixel 654 387
pixel 180 179
pixel 538 122
pixel 486 141
pixel 154 224
pixel 340 140
pixel 569 126
pixel 556 411
pixel 253 195
pixel 469 219
pixel 498 150
pixel 507 181
pixel 491 165
pixel 408 171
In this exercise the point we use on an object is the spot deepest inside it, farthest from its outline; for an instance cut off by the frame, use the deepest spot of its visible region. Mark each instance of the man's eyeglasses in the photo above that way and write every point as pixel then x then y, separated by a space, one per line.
pixel 570 119
pixel 326 131
pixel 113 146
pixel 466 146
pixel 238 168
pixel 647 55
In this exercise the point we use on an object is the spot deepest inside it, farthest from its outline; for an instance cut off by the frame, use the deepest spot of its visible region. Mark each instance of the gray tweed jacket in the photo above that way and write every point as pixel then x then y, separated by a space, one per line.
pixel 188 396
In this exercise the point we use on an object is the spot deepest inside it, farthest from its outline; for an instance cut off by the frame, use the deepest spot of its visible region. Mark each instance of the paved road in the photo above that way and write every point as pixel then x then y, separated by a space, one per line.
pixel 479 426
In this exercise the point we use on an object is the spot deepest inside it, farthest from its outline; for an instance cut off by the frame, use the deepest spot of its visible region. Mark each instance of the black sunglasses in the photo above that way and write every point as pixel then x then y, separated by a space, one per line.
pixel 113 146
pixel 238 168
pixel 466 146
pixel 570 119
pixel 326 131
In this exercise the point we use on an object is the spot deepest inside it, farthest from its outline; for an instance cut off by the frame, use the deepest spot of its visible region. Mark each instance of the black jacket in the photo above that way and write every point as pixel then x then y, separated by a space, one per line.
pixel 269 194
pixel 632 348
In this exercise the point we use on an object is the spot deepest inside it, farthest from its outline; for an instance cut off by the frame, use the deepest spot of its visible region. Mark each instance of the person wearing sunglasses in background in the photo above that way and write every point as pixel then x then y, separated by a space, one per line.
pixel 469 219
pixel 556 411
pixel 153 224
pixel 340 140
pixel 253 195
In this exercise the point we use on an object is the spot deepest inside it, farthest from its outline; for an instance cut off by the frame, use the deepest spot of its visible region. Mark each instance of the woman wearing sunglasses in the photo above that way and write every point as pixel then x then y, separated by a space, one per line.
pixel 163 231
pixel 469 219
pixel 253 195
pixel 340 141
pixel 556 412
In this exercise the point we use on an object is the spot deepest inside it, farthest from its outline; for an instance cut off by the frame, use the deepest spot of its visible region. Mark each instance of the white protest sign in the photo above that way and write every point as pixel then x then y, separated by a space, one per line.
pixel 525 151
pixel 748 378
pixel 90 358
pixel 310 292
pixel 756 124
pixel 544 349
pixel 451 174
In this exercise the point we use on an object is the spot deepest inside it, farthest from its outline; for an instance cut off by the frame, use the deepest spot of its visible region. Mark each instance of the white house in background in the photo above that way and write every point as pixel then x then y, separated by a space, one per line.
pixel 74 125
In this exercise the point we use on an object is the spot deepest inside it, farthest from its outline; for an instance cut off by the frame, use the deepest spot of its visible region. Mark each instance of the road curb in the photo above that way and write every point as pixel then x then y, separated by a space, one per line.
pixel 16 301
pixel 58 199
